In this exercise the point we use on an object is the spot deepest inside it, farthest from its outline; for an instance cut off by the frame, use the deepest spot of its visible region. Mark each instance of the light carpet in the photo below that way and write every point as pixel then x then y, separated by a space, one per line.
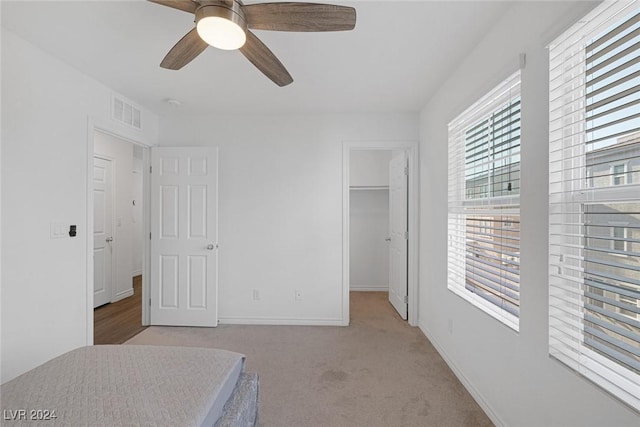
pixel 379 371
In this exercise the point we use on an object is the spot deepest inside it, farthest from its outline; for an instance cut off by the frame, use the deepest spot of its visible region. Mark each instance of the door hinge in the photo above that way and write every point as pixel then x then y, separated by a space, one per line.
pixel 149 302
pixel 406 170
pixel 406 299
pixel 149 236
pixel 150 169
pixel 406 235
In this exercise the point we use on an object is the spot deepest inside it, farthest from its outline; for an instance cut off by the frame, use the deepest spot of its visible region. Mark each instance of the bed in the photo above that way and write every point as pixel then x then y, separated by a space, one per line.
pixel 132 385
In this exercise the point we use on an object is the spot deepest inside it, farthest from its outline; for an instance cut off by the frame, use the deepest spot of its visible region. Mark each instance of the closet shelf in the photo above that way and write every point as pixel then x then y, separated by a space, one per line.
pixel 368 187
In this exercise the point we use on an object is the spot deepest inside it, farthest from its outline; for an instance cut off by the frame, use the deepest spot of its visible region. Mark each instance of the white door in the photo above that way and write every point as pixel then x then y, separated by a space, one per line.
pixel 184 236
pixel 102 230
pixel 398 175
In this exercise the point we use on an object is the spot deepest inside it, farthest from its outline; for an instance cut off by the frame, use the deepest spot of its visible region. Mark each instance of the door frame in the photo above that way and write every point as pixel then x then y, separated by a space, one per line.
pixel 94 125
pixel 411 148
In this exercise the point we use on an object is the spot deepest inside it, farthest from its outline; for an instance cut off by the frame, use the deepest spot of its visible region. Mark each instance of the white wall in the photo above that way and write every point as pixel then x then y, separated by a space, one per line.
pixel 280 198
pixel 369 168
pixel 121 154
pixel 510 373
pixel 369 220
pixel 368 228
pixel 45 109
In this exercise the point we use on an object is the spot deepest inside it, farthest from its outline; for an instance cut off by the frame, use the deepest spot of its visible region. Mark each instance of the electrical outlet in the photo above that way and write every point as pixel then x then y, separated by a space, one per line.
pixel 299 295
pixel 256 295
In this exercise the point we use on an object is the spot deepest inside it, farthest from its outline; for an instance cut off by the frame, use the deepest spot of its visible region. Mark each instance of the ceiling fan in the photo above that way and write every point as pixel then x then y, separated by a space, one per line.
pixel 225 24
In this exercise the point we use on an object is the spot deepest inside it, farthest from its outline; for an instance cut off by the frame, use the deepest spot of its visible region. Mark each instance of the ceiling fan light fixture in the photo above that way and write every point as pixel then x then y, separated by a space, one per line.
pixel 221 26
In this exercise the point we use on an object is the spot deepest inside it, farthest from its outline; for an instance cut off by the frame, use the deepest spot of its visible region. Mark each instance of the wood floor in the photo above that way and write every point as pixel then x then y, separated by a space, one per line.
pixel 117 322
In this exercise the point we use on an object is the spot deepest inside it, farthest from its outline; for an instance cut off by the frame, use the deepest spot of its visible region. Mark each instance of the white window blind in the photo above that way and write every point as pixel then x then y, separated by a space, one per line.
pixel 594 196
pixel 484 203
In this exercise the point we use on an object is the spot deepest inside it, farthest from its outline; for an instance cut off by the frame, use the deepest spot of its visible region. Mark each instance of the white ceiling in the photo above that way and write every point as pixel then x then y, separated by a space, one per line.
pixel 398 54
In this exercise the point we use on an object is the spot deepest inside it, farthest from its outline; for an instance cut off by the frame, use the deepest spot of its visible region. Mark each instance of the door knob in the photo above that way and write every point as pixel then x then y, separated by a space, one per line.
pixel 211 247
pixel 109 239
pixel 388 239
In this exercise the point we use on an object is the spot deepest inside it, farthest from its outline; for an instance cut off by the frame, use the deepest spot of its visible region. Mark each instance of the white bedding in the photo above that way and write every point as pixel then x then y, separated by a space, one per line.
pixel 125 386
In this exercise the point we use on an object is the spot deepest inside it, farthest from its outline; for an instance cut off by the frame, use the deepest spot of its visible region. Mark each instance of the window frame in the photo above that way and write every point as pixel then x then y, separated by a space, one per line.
pixel 472 279
pixel 581 335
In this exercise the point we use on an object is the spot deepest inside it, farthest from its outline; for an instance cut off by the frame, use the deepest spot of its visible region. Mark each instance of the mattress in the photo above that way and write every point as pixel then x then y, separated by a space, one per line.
pixel 133 386
pixel 242 407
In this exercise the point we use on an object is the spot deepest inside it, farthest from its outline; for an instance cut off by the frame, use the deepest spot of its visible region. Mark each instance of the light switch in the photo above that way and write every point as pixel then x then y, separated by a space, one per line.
pixel 58 230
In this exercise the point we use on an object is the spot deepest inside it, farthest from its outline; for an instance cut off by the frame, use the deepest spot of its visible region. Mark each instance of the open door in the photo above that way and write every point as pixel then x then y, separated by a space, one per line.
pixel 102 231
pixel 398 177
pixel 184 236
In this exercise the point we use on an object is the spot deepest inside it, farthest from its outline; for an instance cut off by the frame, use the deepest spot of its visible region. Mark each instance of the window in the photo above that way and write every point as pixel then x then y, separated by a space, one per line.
pixel 618 239
pixel 594 196
pixel 619 174
pixel 632 304
pixel 484 203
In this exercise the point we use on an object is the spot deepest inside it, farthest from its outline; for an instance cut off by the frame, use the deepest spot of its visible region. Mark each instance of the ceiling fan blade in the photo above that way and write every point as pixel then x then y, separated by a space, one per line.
pixel 264 60
pixel 291 16
pixel 190 46
pixel 186 5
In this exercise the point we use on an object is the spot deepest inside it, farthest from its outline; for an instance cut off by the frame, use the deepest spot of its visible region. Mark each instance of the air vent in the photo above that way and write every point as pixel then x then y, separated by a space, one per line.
pixel 125 112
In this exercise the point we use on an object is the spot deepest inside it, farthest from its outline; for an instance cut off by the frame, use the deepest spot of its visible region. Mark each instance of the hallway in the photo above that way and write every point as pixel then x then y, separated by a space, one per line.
pixel 117 322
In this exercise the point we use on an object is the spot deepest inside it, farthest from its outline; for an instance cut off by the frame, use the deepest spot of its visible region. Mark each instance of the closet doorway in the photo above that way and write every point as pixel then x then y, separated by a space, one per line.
pixel 380 207
pixel 369 220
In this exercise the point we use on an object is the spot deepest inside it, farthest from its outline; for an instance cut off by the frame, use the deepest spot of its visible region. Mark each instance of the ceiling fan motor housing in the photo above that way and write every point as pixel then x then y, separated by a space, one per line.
pixel 231 11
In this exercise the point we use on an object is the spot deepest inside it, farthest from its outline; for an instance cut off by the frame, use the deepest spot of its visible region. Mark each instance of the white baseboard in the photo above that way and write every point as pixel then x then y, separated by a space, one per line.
pixel 368 289
pixel 280 321
pixel 122 295
pixel 479 398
